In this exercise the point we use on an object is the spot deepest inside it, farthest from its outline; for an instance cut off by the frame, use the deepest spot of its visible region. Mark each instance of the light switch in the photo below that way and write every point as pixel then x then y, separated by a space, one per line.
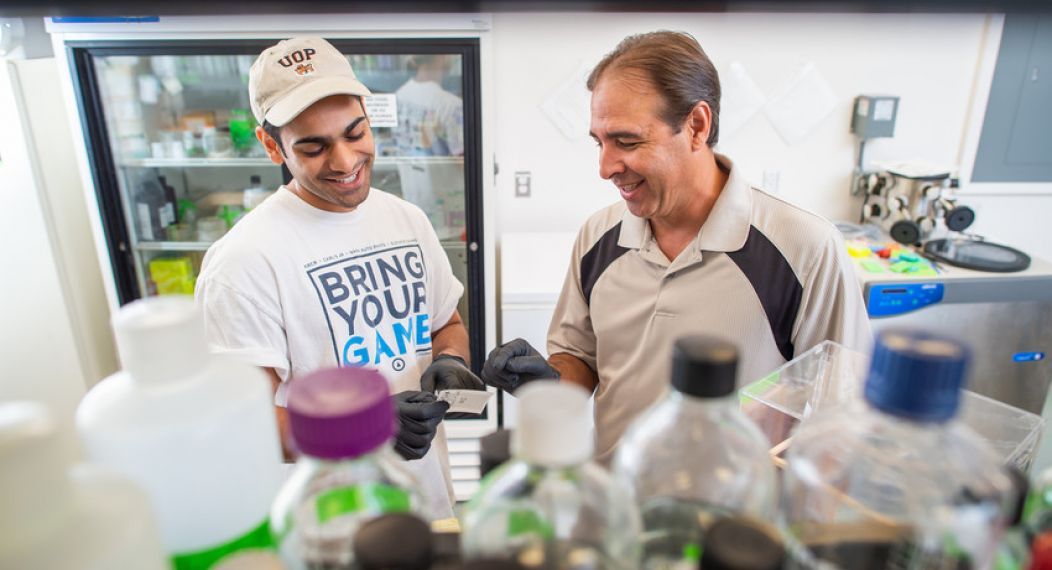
pixel 522 184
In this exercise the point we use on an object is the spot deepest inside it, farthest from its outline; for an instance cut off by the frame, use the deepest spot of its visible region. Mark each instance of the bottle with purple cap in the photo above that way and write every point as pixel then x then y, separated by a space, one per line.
pixel 343 424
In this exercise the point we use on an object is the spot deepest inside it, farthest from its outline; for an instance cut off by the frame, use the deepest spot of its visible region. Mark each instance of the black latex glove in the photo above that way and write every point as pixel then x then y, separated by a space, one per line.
pixel 515 363
pixel 448 372
pixel 419 414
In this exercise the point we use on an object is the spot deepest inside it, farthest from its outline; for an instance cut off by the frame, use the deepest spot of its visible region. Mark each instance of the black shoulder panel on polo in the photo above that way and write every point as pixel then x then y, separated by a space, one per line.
pixel 774 282
pixel 594 263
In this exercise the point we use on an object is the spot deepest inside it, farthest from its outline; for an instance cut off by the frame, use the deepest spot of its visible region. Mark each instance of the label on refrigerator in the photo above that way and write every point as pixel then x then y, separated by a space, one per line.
pixel 145 221
pixel 382 110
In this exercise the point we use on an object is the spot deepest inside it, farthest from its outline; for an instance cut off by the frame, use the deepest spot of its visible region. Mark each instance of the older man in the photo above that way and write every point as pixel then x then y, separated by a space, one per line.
pixel 691 248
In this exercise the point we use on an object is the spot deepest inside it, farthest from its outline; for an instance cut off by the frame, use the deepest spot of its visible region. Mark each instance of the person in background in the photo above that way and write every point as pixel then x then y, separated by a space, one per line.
pixel 330 272
pixel 690 248
pixel 430 119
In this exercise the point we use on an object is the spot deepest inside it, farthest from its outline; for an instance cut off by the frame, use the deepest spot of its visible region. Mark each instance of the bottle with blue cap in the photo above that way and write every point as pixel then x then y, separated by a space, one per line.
pixel 894 480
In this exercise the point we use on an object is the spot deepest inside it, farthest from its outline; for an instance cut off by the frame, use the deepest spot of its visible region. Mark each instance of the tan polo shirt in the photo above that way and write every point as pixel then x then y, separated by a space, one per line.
pixel 767 275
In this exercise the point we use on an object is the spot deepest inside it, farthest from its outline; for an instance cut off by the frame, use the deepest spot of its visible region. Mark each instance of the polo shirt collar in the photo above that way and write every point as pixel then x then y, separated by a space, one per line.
pixel 727 227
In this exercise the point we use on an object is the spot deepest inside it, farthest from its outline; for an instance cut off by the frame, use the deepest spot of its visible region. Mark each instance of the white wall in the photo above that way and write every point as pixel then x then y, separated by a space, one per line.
pixel 932 62
pixel 38 347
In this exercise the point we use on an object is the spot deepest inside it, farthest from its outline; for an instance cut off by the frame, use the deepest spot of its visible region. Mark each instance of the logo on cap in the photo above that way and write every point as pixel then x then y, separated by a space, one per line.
pixel 298 56
pixel 304 69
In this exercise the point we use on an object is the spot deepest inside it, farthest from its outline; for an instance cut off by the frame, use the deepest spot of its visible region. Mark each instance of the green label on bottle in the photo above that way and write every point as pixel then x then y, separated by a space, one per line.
pixel 255 539
pixel 369 497
pixel 523 521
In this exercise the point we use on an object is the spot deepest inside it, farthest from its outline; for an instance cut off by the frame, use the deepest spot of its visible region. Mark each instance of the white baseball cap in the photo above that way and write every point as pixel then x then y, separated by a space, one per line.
pixel 294 74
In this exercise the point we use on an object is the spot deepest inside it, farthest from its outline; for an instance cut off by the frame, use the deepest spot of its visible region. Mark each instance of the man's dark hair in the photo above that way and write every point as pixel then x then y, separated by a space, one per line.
pixel 275 133
pixel 676 66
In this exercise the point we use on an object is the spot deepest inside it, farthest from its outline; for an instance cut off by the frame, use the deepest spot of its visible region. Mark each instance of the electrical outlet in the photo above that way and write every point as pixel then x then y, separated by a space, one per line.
pixel 522 184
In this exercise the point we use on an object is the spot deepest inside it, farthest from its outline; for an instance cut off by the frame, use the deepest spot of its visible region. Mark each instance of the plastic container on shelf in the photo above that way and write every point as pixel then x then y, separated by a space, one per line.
pixel 831 375
pixel 255 193
pixel 343 423
pixel 694 456
pixel 210 228
pixel 894 480
pixel 550 505
pixel 172 275
pixel 242 131
pixel 197 432
pixel 58 516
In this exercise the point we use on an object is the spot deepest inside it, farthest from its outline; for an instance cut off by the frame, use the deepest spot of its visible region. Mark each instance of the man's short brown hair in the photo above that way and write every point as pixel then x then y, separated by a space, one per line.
pixel 675 64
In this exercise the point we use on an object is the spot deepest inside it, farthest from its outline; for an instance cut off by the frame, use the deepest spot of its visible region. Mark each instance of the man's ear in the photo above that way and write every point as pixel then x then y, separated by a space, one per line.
pixel 699 123
pixel 271 146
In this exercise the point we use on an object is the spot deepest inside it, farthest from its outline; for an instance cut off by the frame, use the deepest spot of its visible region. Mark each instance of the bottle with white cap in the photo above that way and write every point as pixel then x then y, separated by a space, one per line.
pixel 895 480
pixel 196 431
pixel 550 505
pixel 55 515
pixel 694 456
pixel 343 423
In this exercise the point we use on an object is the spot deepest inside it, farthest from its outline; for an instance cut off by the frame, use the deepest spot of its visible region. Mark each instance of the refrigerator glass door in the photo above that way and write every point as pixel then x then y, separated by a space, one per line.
pixel 189 166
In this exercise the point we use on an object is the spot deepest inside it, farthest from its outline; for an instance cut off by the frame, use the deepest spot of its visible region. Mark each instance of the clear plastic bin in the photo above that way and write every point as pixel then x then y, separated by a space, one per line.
pixel 831 374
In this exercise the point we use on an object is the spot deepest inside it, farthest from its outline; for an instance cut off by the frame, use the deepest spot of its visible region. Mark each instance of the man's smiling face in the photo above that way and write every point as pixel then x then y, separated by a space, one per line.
pixel 638 151
pixel 329 150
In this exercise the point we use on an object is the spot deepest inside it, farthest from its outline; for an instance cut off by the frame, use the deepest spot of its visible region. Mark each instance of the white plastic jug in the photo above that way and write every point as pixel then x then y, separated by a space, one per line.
pixel 57 516
pixel 196 431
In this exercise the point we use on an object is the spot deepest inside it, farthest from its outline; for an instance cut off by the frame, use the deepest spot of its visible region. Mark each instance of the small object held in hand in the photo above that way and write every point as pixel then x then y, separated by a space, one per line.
pixel 465 401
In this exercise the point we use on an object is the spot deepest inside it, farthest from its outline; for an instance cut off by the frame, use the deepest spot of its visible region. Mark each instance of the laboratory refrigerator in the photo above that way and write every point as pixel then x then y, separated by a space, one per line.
pixel 174 160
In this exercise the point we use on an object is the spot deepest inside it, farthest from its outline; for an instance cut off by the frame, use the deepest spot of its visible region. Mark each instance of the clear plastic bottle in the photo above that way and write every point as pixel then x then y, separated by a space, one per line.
pixel 255 193
pixel 343 423
pixel 694 456
pixel 895 481
pixel 197 432
pixel 55 516
pixel 550 506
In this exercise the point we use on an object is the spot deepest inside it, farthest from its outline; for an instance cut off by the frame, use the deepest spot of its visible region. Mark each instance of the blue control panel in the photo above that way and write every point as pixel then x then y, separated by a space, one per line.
pixel 886 300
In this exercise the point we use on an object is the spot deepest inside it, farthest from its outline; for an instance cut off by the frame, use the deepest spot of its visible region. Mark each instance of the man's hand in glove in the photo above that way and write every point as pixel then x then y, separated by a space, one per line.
pixel 515 363
pixel 448 372
pixel 419 414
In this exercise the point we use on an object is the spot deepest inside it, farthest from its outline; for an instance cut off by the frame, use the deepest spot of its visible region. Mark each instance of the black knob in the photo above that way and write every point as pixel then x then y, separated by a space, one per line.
pixel 960 218
pixel 906 232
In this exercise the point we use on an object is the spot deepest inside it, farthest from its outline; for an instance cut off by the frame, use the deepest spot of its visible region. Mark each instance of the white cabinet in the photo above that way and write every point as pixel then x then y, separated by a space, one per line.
pixel 532 269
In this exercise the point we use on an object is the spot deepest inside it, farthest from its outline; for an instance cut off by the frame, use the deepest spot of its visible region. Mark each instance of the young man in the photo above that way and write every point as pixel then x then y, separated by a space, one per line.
pixel 691 248
pixel 330 272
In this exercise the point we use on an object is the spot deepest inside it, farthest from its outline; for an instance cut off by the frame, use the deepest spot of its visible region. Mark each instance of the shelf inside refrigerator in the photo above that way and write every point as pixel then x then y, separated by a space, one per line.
pixel 225 162
pixel 173 245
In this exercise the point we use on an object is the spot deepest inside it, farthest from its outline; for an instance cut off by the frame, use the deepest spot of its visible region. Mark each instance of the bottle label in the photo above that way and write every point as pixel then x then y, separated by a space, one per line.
pixel 373 498
pixel 528 522
pixel 252 542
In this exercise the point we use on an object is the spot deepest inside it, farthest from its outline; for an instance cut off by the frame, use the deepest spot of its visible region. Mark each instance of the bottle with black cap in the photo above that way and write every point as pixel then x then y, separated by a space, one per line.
pixel 695 456
pixel 895 479
pixel 742 543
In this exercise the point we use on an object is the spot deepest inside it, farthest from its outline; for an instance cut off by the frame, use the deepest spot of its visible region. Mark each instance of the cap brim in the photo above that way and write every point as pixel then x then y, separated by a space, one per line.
pixel 294 103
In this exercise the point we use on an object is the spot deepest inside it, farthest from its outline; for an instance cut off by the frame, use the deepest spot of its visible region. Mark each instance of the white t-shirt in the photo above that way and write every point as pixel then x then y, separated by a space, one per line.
pixel 296 288
pixel 431 119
